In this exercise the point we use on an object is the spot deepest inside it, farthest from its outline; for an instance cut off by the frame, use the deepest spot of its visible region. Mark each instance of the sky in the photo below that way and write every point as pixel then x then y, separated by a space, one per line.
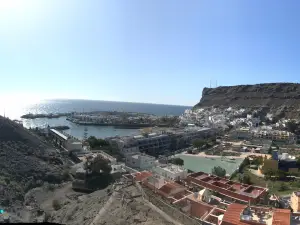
pixel 149 51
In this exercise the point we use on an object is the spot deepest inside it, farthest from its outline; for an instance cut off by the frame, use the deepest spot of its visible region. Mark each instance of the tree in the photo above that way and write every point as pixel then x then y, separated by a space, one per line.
pixel 245 178
pixel 298 161
pixel 258 161
pixel 270 150
pixel 218 171
pixel 189 151
pixel 244 124
pixel 177 161
pixel 283 187
pixel 96 143
pixel 281 174
pixel 100 165
pixel 292 126
pixel 199 143
pixel 268 174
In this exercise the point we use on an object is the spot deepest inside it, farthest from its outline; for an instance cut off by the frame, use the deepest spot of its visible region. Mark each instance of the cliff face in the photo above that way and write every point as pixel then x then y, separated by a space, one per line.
pixel 274 97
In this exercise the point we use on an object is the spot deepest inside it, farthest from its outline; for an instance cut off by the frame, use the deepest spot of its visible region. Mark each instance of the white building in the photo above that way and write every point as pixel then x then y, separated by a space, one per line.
pixel 140 161
pixel 73 145
pixel 172 172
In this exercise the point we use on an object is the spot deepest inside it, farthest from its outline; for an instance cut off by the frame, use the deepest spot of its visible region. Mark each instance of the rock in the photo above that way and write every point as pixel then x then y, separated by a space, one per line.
pixel 20 170
pixel 270 97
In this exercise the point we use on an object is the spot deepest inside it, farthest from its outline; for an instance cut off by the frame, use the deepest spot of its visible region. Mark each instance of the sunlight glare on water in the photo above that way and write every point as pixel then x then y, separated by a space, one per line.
pixel 15 104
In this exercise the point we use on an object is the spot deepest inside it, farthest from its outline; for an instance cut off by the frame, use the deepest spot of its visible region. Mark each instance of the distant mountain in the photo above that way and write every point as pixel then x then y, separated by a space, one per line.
pixel 276 98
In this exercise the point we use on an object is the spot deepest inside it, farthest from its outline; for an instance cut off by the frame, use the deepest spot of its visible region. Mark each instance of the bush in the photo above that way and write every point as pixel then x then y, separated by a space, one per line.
pixel 283 187
pixel 177 161
pixel 51 187
pixel 219 171
pixel 66 175
pixel 56 204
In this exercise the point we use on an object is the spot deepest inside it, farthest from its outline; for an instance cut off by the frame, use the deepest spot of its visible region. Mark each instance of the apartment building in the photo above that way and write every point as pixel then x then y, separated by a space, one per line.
pixel 242 133
pixel 231 190
pixel 157 142
pixel 181 138
pixel 140 161
pixel 247 133
pixel 275 135
pixel 153 144
pixel 171 172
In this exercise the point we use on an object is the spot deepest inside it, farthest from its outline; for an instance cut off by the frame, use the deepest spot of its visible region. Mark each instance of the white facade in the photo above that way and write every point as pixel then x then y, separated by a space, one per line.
pixel 172 172
pixel 72 145
pixel 140 161
pixel 157 181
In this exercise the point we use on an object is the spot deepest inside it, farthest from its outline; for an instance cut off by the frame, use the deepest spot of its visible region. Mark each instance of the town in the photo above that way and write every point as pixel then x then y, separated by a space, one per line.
pixel 215 168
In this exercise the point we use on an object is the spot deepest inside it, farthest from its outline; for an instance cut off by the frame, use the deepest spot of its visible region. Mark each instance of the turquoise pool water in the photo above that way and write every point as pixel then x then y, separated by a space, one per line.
pixel 203 164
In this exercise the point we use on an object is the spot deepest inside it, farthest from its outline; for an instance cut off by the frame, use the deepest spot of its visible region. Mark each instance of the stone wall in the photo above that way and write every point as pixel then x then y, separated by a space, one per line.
pixel 170 210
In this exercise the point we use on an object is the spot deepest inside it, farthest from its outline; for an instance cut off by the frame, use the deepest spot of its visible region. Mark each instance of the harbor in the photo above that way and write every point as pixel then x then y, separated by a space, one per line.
pixel 125 120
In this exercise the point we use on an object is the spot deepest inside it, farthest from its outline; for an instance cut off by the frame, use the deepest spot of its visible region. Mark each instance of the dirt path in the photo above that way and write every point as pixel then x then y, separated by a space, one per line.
pixel 162 213
pixel 59 194
pixel 104 208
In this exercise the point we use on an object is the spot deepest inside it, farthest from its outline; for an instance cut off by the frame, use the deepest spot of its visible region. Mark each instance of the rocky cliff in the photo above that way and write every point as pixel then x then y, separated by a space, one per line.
pixel 272 97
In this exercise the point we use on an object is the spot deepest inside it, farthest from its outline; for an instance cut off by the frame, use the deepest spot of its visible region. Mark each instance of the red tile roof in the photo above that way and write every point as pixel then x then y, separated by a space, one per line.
pixel 232 215
pixel 244 193
pixel 281 217
pixel 142 175
pixel 168 187
pixel 200 209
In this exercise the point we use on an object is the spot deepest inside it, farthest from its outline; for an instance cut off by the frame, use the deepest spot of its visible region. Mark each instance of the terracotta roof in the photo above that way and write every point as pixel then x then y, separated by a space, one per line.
pixel 168 187
pixel 281 217
pixel 142 175
pixel 232 215
pixel 200 209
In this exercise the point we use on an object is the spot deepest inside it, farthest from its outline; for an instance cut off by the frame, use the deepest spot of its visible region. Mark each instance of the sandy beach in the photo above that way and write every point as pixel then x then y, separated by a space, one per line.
pixel 242 156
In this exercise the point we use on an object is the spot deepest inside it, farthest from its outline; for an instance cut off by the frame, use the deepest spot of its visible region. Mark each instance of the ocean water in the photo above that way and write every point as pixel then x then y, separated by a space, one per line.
pixel 60 106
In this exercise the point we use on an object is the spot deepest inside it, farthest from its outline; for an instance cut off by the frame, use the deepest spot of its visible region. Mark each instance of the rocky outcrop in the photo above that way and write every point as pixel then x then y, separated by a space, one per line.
pixel 26 162
pixel 276 98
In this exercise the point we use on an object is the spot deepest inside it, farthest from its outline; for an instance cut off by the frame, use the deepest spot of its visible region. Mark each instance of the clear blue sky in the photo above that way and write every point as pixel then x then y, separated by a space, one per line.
pixel 144 50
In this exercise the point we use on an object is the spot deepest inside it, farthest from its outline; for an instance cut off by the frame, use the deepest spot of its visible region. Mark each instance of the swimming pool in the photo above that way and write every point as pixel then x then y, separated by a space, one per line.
pixel 197 164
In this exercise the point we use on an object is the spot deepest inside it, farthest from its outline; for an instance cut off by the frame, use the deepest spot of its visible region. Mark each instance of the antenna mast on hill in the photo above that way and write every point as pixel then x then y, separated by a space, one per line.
pixel 210 84
pixel 216 83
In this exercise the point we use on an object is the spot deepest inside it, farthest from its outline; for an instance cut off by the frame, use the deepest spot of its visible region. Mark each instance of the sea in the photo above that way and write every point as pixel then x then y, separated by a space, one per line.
pixel 15 111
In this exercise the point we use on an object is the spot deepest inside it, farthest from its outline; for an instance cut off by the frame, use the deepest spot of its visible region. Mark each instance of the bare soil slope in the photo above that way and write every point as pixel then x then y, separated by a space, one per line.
pixel 26 162
pixel 125 206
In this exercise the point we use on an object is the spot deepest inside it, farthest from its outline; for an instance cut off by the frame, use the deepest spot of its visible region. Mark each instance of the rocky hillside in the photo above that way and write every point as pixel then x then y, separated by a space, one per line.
pixel 273 97
pixel 26 162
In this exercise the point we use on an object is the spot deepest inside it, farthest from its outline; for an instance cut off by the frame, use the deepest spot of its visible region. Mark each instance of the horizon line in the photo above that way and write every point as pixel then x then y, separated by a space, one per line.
pixel 51 99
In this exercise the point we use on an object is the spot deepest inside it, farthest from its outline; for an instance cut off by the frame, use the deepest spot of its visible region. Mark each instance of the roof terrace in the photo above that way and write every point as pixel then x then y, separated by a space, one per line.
pixel 243 214
pixel 226 187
